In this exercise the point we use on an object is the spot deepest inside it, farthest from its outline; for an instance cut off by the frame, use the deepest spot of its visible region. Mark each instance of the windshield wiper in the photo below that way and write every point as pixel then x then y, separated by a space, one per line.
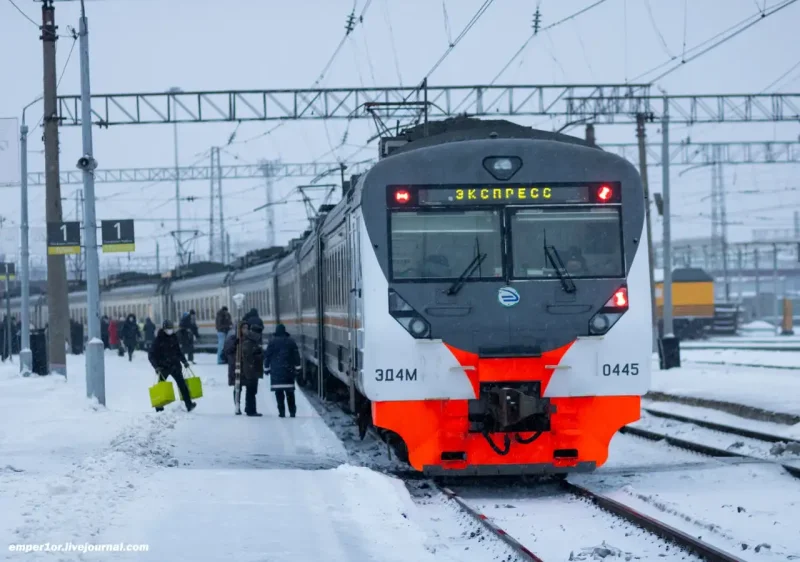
pixel 470 269
pixel 555 259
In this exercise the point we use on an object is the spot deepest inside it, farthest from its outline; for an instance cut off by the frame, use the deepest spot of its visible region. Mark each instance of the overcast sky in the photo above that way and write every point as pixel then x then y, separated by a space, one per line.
pixel 153 45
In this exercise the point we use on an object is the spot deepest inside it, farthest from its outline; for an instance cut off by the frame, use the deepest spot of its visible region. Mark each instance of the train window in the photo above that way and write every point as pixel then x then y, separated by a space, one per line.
pixel 588 242
pixel 442 245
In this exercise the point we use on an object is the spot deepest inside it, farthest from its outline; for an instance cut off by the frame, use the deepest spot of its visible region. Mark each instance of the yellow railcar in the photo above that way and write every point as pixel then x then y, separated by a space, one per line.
pixel 692 302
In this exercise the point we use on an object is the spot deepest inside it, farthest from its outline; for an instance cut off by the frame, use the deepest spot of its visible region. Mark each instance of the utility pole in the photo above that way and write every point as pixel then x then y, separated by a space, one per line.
pixel 641 138
pixel 228 248
pixel 212 173
pixel 269 209
pixel 25 355
pixel 95 366
pixel 178 239
pixel 158 258
pixel 221 214
pixel 57 304
pixel 670 350
pixel 723 218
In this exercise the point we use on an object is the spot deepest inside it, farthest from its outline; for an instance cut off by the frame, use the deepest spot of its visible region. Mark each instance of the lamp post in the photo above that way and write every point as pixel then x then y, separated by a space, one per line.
pixel 25 355
pixel 176 90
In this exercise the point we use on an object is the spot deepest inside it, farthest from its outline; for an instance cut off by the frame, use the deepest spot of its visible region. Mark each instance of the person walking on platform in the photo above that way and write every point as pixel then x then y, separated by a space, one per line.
pixel 131 335
pixel 282 362
pixel 104 329
pixel 166 358
pixel 224 323
pixel 188 333
pixel 120 325
pixel 231 353
pixel 149 333
pixel 252 367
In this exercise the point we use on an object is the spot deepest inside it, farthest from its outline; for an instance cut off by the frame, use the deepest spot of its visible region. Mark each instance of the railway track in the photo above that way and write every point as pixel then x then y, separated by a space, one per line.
pixel 660 531
pixel 711 450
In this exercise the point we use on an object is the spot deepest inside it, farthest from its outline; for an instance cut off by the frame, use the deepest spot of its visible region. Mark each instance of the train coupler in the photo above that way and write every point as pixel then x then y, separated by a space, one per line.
pixel 510 408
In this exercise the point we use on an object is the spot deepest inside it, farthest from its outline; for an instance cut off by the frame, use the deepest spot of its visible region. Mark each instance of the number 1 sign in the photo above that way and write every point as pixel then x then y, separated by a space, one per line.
pixel 118 236
pixel 63 238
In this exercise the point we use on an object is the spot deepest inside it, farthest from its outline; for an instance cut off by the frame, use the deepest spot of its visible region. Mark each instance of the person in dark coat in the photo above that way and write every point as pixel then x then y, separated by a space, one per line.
pixel 253 319
pixel 188 333
pixel 223 323
pixel 166 358
pixel 282 362
pixel 229 351
pixel 104 329
pixel 149 333
pixel 252 367
pixel 130 335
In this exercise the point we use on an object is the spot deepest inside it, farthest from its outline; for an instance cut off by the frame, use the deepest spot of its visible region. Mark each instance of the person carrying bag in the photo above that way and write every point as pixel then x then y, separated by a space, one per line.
pixel 167 358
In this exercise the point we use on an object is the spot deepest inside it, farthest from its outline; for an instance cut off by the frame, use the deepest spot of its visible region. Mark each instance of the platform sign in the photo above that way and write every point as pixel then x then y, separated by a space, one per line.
pixel 63 238
pixel 118 236
pixel 7 270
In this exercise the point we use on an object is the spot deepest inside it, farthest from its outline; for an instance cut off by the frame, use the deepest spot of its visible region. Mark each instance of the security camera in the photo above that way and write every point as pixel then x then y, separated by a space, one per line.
pixel 87 163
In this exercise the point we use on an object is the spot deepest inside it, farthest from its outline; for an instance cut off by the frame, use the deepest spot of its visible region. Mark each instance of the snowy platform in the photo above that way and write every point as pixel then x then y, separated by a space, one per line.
pixel 205 485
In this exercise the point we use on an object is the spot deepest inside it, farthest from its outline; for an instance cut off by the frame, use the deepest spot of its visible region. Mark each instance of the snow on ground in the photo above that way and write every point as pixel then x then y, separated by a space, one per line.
pixel 749 510
pixel 743 358
pixel 205 485
pixel 774 390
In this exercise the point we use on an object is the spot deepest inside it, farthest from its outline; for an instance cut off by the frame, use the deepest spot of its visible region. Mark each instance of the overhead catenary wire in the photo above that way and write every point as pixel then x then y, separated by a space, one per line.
pixel 24 15
pixel 453 44
pixel 655 27
pixel 388 18
pixel 715 41
pixel 535 33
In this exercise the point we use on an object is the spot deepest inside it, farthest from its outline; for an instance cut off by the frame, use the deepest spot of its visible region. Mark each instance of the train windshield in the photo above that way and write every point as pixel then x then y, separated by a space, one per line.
pixel 587 241
pixel 441 245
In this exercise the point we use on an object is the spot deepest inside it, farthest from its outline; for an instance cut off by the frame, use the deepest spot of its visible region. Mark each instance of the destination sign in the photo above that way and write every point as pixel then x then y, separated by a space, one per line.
pixel 516 194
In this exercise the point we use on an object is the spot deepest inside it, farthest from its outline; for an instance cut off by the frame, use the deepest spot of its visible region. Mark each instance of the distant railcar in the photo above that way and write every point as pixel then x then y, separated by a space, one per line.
pixel 693 307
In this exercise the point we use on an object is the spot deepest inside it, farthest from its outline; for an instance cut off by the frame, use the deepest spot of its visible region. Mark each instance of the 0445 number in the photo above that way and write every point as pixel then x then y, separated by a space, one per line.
pixel 620 369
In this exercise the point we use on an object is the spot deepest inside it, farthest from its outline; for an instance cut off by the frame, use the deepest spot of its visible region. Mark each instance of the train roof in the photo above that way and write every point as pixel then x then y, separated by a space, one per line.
pixel 684 275
pixel 463 128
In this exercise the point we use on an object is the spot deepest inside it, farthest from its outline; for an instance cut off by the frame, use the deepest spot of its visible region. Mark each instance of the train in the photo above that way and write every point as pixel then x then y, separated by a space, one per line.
pixel 479 296
pixel 695 312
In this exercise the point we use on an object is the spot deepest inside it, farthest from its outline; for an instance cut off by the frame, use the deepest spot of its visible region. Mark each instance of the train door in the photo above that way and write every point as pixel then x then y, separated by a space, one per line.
pixel 353 307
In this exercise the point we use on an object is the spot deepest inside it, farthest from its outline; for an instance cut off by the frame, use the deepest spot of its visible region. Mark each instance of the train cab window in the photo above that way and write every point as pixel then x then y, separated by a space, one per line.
pixel 588 242
pixel 442 245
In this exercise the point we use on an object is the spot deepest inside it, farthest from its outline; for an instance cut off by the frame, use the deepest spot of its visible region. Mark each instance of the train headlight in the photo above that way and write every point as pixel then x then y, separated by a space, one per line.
pixel 407 317
pixel 599 324
pixel 418 327
pixel 502 167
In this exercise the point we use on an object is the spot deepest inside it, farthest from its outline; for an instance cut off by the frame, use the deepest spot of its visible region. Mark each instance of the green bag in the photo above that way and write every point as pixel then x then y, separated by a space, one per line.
pixel 195 385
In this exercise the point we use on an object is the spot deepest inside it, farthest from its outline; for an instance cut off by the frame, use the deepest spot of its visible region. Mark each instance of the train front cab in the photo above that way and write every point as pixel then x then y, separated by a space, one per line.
pixel 519 368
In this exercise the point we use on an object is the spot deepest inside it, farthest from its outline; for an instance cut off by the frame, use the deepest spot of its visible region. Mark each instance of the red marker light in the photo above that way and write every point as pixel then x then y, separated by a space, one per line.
pixel 402 196
pixel 604 193
pixel 620 298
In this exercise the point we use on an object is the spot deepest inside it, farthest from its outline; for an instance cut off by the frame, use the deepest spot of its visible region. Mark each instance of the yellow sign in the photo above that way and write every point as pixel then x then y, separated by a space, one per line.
pixel 110 248
pixel 63 250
